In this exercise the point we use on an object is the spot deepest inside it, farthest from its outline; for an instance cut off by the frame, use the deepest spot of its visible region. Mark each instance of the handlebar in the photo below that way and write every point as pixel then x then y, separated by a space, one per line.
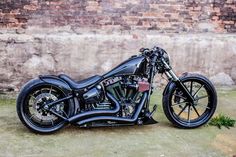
pixel 157 58
pixel 155 51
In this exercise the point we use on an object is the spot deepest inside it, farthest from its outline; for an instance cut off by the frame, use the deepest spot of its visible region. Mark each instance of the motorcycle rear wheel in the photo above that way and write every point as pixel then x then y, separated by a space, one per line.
pixel 185 114
pixel 29 107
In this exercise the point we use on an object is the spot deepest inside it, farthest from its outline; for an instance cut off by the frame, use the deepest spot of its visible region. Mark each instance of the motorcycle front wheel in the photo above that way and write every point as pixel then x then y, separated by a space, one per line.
pixel 185 114
pixel 33 96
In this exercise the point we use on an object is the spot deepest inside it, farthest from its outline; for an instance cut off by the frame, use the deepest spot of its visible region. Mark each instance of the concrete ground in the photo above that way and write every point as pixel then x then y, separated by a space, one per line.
pixel 159 140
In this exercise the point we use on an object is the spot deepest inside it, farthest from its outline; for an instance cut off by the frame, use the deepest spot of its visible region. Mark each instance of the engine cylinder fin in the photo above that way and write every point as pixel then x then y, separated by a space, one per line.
pixel 118 96
pixel 120 91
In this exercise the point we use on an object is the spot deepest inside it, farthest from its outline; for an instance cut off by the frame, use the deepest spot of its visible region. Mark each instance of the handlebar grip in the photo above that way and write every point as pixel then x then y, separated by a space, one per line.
pixel 142 49
pixel 145 51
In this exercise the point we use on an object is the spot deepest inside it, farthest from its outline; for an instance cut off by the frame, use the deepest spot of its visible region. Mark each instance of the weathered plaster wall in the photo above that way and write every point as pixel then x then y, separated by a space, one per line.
pixel 26 56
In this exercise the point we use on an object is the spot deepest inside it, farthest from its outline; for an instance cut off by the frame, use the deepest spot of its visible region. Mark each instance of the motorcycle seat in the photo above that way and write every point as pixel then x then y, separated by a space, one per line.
pixel 80 84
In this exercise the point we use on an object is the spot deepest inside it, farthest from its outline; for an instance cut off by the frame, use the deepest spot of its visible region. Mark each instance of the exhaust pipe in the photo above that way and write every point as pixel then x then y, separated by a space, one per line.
pixel 118 119
pixel 89 114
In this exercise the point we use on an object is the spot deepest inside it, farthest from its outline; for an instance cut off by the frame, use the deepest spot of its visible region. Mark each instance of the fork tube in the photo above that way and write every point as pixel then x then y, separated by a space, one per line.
pixel 185 90
pixel 171 76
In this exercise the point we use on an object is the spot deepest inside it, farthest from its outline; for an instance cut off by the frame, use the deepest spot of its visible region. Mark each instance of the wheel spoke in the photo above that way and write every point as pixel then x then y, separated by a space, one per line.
pixel 32 96
pixel 175 104
pixel 182 110
pixel 189 107
pixel 195 110
pixel 31 116
pixel 201 105
pixel 180 96
pixel 202 97
pixel 191 87
pixel 197 90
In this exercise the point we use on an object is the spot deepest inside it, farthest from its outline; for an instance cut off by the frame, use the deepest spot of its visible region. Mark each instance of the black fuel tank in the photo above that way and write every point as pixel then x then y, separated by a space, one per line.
pixel 133 66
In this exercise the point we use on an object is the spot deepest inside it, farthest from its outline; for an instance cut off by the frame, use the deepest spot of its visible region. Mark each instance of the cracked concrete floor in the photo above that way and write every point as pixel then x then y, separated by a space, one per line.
pixel 161 139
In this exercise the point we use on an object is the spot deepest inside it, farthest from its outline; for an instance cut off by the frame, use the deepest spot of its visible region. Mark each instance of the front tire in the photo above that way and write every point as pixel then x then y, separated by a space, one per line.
pixel 32 96
pixel 184 114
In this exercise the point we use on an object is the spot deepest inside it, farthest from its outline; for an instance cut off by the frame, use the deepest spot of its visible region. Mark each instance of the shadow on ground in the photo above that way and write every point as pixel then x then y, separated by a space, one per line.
pixel 161 139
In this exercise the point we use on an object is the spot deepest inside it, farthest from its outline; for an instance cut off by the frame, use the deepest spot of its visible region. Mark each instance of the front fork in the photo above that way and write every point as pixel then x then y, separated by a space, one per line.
pixel 172 77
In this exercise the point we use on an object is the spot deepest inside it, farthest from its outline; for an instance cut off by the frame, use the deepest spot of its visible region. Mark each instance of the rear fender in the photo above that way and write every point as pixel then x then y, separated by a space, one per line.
pixel 56 81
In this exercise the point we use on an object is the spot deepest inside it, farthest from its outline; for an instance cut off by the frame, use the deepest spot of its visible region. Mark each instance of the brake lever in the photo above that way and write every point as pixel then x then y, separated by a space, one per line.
pixel 145 51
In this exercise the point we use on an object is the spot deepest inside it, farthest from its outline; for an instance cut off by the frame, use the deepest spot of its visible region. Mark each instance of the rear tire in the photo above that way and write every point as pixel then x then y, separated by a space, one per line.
pixel 173 99
pixel 37 120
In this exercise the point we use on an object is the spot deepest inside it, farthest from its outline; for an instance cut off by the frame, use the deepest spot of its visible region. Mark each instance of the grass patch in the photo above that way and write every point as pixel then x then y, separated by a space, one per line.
pixel 7 99
pixel 222 120
pixel 7 102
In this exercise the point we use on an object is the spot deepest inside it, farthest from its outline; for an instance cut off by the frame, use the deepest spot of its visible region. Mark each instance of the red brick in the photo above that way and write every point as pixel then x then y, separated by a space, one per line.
pixel 169 16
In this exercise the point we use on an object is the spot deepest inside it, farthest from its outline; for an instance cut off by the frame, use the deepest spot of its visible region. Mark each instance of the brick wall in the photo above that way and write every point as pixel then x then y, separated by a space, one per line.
pixel 117 15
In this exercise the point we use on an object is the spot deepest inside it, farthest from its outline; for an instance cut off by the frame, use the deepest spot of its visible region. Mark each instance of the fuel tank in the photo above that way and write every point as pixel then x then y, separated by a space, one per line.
pixel 136 65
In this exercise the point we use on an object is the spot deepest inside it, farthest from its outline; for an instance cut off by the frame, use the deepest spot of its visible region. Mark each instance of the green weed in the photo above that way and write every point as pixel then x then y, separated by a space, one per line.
pixel 222 120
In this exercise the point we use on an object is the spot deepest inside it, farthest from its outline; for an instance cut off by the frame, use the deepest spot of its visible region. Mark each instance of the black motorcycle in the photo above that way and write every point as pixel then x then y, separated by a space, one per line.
pixel 119 97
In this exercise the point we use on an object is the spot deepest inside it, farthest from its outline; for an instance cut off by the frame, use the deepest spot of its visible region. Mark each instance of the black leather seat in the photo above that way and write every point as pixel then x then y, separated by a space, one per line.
pixel 80 84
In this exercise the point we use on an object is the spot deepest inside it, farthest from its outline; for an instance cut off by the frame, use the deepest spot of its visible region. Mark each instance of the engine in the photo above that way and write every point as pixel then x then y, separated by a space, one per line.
pixel 126 89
